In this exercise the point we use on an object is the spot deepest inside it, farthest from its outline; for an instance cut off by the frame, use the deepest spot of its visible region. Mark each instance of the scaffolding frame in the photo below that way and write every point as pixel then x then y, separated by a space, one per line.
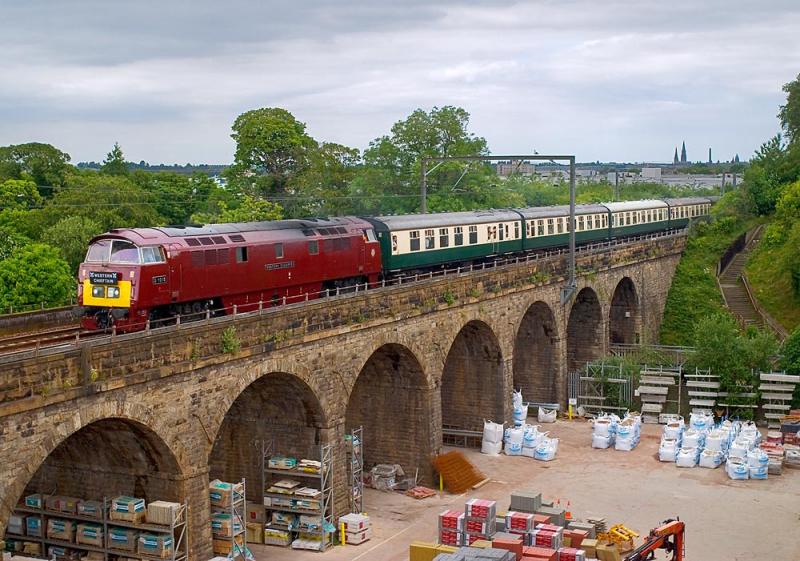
pixel 355 453
pixel 237 511
pixel 325 481
pixel 655 385
pixel 588 387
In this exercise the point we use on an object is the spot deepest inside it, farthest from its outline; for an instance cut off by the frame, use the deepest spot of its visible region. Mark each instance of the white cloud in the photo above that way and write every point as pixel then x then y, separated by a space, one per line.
pixel 608 80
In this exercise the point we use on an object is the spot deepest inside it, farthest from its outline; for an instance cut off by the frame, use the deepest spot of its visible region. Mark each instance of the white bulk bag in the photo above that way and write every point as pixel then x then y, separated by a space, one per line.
pixel 491 448
pixel 686 457
pixel 513 449
pixel 738 449
pixel 710 458
pixel 667 450
pixel 701 421
pixel 515 435
pixel 602 427
pixel 531 436
pixel 692 438
pixel 625 443
pixel 547 415
pixel 673 430
pixel 492 432
pixel 737 469
pixel 757 458
pixel 516 399
pixel 546 450
pixel 760 472
pixel 716 440
pixel 520 415
pixel 602 442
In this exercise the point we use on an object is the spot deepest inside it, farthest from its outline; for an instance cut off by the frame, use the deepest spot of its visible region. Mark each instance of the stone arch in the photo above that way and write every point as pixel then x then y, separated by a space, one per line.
pixel 473 384
pixel 624 319
pixel 536 355
pixel 278 410
pixel 392 400
pixel 100 438
pixel 584 330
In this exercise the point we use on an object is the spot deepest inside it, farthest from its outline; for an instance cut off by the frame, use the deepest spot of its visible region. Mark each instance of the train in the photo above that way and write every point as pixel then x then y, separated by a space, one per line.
pixel 135 276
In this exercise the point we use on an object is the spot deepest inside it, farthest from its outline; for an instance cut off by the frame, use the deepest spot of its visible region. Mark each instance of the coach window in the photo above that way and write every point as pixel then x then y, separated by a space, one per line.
pixel 278 251
pixel 502 232
pixel 313 247
pixel 473 234
pixel 459 236
pixel 550 227
pixel 430 242
pixel 580 224
pixel 506 229
pixel 414 238
pixel 529 229
pixel 444 237
pixel 540 227
pixel 241 254
pixel 516 230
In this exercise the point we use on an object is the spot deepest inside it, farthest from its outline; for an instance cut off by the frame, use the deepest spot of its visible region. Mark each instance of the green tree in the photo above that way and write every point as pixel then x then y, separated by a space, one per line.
pixel 271 148
pixel 115 163
pixel 33 275
pixel 19 193
pixel 43 164
pixel 71 236
pixel 323 185
pixel 111 201
pixel 249 209
pixel 773 165
pixel 175 196
pixel 11 242
pixel 789 114
pixel 423 134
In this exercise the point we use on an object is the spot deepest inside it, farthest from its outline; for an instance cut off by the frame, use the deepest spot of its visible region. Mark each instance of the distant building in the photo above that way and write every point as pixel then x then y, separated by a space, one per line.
pixel 675 159
pixel 651 174
pixel 505 169
pixel 683 152
pixel 709 156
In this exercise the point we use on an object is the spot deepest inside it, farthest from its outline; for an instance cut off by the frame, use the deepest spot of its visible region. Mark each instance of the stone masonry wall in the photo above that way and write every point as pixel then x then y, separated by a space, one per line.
pixel 185 395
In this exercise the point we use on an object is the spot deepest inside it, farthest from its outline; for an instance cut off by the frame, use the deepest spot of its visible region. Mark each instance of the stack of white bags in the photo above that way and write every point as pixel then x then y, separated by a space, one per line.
pixel 492 442
pixel 623 434
pixel 704 444
pixel 520 410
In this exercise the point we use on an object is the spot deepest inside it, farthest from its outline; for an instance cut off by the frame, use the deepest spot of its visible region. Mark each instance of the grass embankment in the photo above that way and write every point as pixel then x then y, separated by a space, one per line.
pixel 769 272
pixel 694 293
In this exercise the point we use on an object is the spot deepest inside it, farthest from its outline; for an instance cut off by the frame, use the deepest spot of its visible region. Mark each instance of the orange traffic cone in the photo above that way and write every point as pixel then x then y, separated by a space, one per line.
pixel 568 513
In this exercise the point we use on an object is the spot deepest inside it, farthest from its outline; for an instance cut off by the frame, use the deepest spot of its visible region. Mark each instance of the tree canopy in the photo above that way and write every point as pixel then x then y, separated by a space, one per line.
pixel 115 164
pixel 789 113
pixel 35 274
pixel 41 163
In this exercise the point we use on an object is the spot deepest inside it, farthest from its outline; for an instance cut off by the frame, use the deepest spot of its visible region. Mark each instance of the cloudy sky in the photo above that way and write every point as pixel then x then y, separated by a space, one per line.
pixel 604 79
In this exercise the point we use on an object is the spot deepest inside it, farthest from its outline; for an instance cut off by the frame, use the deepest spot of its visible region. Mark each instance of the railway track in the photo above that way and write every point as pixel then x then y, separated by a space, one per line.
pixel 42 338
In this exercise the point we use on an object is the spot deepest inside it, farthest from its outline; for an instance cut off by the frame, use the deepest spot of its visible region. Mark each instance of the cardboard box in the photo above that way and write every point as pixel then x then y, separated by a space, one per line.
pixel 60 503
pixel 158 545
pixel 89 533
pixel 162 512
pixel 277 536
pixel 33 527
pixel 255 532
pixel 256 513
pixel 16 524
pixel 58 529
pixel 127 509
pixel 223 547
pixel 34 501
pixel 92 509
pixel 122 539
pixel 359 537
pixel 607 552
pixel 221 494
pixel 355 522
pixel 225 526
pixel 31 548
pixel 590 547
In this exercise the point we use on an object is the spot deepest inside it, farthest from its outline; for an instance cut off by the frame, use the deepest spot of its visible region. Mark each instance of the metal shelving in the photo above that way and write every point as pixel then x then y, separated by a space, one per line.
pixel 176 529
pixel 237 510
pixel 776 395
pixel 324 481
pixel 655 385
pixel 703 389
pixel 355 464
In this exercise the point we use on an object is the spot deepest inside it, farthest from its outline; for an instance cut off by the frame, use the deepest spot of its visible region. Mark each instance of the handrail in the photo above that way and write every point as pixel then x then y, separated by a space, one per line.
pixel 769 321
pixel 266 307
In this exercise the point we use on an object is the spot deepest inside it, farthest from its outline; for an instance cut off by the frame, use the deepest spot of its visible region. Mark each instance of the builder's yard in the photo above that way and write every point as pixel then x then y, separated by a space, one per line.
pixel 725 519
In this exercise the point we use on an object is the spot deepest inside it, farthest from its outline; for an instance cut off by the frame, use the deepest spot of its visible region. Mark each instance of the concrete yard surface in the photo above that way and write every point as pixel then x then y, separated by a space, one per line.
pixel 725 520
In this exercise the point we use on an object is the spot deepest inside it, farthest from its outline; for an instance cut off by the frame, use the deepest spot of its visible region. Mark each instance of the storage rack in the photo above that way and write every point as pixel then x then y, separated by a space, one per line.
pixel 703 390
pixel 655 383
pixel 592 387
pixel 177 529
pixel 355 457
pixel 237 511
pixel 324 479
pixel 776 395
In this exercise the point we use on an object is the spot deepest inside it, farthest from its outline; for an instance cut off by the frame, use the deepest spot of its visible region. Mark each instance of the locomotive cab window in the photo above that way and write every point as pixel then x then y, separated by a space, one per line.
pixel 152 255
pixel 98 251
pixel 414 239
pixel 241 254
pixel 124 252
pixel 459 236
pixel 370 235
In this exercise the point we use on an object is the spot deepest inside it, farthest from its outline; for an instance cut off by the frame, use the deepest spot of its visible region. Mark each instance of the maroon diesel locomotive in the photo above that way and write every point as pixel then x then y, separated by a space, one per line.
pixel 134 275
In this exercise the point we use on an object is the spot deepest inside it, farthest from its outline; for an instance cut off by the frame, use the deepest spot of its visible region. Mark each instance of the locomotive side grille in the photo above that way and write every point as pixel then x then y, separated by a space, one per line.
pixel 194 242
pixel 236 238
pixel 206 241
pixel 219 240
pixel 197 259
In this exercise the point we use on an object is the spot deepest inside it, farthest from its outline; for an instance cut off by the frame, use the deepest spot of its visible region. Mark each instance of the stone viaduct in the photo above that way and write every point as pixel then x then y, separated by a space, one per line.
pixel 159 414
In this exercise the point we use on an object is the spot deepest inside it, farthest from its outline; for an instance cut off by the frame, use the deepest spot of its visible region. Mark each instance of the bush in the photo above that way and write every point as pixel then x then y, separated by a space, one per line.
pixel 230 341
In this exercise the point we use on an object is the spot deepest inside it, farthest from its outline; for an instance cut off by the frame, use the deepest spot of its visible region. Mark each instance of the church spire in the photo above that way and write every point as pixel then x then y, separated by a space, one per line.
pixel 675 160
pixel 683 152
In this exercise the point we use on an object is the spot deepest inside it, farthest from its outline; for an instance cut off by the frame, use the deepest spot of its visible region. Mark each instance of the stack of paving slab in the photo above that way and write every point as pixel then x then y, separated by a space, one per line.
pixel 477 554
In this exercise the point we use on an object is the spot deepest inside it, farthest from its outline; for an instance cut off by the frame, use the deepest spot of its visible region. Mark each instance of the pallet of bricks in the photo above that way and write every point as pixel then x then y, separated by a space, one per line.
pixel 357 528
pixel 529 531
